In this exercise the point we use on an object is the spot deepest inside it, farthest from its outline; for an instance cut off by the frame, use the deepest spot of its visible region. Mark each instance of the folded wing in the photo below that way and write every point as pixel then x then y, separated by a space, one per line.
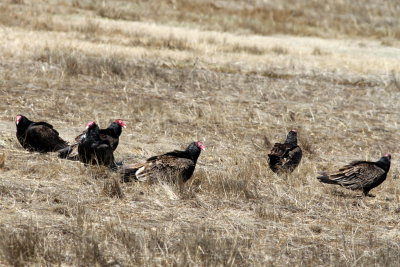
pixel 355 176
pixel 43 138
pixel 164 167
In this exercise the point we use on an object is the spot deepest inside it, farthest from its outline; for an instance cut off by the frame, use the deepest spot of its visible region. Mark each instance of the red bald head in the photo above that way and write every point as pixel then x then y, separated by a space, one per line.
pixel 121 122
pixel 200 145
pixel 90 124
pixel 18 119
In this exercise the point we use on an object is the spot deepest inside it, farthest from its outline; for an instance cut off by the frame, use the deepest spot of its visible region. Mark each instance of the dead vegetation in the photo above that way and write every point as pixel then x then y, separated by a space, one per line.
pixel 172 85
pixel 327 19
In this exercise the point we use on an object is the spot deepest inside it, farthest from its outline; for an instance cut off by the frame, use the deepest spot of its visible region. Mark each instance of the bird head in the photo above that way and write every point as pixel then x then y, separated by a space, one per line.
pixel 292 137
pixel 200 145
pixel 18 119
pixel 121 123
pixel 384 161
pixel 90 124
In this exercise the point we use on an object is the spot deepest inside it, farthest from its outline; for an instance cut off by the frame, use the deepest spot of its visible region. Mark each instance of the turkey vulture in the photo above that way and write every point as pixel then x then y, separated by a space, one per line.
pixel 38 136
pixel 94 150
pixel 287 156
pixel 359 175
pixel 174 166
pixel 111 133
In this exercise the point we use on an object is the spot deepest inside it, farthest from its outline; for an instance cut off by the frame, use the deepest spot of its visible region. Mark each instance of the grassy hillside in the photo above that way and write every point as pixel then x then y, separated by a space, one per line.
pixel 237 75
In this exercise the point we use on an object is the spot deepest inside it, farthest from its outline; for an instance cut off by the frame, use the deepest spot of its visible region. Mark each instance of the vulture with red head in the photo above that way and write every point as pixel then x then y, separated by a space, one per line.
pixel 111 134
pixel 174 166
pixel 38 136
pixel 359 175
pixel 284 158
pixel 92 149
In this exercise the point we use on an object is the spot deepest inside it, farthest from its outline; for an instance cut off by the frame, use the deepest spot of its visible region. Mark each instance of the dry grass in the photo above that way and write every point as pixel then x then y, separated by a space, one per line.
pixel 63 62
pixel 328 19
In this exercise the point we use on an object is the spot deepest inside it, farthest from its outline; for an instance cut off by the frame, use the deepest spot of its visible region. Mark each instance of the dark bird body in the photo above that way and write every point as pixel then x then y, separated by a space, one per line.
pixel 111 134
pixel 359 175
pixel 38 136
pixel 287 156
pixel 172 166
pixel 94 150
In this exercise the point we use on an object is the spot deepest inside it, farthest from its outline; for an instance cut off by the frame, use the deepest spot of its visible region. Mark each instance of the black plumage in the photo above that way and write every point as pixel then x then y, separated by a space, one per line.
pixel 287 156
pixel 38 136
pixel 359 175
pixel 94 150
pixel 112 134
pixel 174 166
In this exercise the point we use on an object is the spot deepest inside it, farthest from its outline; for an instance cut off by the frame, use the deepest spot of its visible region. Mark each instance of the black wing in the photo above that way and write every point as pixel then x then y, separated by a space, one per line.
pixel 356 176
pixel 43 138
pixel 284 157
pixel 161 168
pixel 93 150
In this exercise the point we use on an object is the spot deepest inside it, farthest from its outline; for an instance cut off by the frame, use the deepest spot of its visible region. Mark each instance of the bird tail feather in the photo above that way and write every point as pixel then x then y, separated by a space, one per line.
pixel 129 172
pixel 64 152
pixel 324 178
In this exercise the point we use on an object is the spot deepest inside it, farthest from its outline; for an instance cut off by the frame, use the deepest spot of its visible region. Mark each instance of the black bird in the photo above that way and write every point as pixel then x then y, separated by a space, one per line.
pixel 287 156
pixel 94 150
pixel 112 134
pixel 174 166
pixel 38 136
pixel 359 175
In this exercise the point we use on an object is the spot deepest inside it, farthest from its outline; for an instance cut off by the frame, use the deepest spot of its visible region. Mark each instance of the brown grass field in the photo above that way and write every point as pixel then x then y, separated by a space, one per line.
pixel 237 75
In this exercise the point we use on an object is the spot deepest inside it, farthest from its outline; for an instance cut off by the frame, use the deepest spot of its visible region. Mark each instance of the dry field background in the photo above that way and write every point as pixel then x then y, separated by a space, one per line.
pixel 237 75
